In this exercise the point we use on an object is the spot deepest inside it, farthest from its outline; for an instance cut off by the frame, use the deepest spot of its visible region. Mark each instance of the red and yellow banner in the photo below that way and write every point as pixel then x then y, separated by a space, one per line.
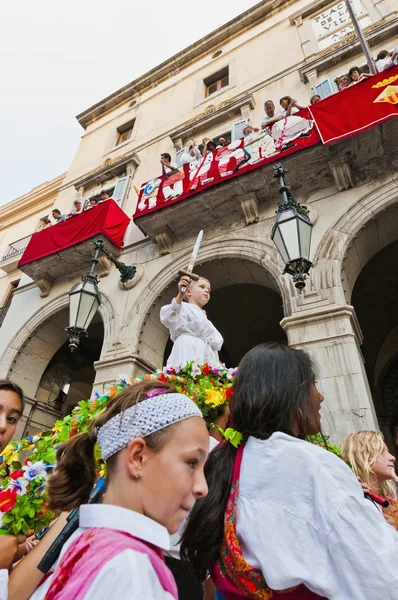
pixel 358 108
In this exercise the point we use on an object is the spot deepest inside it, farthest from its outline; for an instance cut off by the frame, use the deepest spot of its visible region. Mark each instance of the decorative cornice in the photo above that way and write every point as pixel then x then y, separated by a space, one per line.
pixel 111 168
pixel 171 67
pixel 212 116
pixel 39 198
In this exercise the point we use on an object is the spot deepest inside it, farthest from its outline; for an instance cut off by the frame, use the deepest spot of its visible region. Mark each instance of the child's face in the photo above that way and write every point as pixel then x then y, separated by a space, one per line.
pixel 10 413
pixel 172 479
pixel 199 292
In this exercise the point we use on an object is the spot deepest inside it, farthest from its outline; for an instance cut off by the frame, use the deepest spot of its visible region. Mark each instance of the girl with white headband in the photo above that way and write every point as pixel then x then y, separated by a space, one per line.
pixel 155 444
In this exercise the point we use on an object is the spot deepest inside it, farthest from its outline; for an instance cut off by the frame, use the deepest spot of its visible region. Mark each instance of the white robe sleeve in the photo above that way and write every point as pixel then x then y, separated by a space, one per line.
pixel 130 576
pixel 3 584
pixel 349 553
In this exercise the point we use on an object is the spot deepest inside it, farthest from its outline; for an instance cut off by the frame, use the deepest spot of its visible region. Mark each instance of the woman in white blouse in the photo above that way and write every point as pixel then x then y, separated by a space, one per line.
pixel 295 519
pixel 195 337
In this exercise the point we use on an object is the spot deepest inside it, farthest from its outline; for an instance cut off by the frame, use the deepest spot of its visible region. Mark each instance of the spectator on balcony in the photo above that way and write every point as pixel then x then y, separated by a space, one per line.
pixel 77 208
pixel 343 82
pixel 290 106
pixel 91 203
pixel 45 223
pixel 271 116
pixel 104 196
pixel 223 143
pixel 315 99
pixel 168 168
pixel 211 147
pixel 385 60
pixel 191 154
pixel 58 216
pixel 356 75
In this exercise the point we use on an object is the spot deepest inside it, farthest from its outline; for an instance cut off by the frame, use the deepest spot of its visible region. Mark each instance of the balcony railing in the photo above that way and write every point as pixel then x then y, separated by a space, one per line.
pixel 3 312
pixel 16 248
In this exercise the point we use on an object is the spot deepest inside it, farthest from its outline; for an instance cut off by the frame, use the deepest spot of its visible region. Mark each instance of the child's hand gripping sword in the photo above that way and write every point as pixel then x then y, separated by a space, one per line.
pixel 192 261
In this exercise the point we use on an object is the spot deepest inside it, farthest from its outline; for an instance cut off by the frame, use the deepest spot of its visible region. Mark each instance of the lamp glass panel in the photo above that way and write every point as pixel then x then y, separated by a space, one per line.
pixel 289 233
pixel 280 246
pixel 85 309
pixel 93 310
pixel 74 300
pixel 305 230
pixel 286 214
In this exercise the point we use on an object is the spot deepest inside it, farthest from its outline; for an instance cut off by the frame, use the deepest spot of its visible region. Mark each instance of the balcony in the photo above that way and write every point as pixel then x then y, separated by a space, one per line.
pixel 13 253
pixel 66 249
pixel 352 141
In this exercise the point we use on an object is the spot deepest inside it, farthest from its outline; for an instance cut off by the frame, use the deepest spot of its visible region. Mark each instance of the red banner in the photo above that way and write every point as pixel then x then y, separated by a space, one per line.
pixel 242 156
pixel 106 218
pixel 357 108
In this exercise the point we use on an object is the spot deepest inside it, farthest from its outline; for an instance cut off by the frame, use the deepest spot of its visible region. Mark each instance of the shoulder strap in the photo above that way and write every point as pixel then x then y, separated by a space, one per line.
pixel 87 555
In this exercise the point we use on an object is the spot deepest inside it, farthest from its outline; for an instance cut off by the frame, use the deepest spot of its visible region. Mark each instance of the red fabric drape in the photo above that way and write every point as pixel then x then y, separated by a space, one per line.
pixel 357 108
pixel 106 219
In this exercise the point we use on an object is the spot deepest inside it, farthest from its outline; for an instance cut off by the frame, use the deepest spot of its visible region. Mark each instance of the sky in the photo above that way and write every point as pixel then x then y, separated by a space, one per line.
pixel 59 58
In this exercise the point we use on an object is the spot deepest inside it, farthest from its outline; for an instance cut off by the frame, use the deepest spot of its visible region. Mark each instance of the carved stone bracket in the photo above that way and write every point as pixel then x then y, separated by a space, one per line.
pixel 249 206
pixel 341 171
pixel 44 286
pixel 104 266
pixel 164 240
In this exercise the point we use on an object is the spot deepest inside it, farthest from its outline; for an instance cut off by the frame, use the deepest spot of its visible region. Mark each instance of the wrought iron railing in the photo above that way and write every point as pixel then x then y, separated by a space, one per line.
pixel 16 248
pixel 3 312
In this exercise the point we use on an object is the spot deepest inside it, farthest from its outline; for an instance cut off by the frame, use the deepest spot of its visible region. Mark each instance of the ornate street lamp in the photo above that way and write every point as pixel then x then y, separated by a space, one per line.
pixel 85 298
pixel 291 232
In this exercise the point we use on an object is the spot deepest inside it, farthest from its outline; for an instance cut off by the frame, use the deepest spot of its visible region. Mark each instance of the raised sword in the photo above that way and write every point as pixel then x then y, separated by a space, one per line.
pixel 189 270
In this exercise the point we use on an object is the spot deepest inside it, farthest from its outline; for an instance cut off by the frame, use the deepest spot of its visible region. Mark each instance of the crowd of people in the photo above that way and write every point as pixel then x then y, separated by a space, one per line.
pixel 79 206
pixel 263 513
pixel 194 152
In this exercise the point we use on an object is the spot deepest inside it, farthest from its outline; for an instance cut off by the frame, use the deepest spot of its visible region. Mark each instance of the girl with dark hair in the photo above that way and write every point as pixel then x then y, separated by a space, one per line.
pixel 283 515
pixel 154 442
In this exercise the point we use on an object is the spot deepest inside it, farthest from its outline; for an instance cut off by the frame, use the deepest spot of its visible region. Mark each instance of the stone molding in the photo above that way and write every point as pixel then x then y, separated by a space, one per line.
pixel 337 241
pixel 341 171
pixel 16 345
pixel 110 169
pixel 246 249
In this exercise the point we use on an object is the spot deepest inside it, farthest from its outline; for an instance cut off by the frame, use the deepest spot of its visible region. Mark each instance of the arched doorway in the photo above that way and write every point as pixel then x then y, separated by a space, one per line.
pixel 245 305
pixel 374 297
pixel 53 379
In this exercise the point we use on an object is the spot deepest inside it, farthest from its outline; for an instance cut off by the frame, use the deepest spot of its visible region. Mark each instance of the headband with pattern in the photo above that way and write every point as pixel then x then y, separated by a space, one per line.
pixel 144 418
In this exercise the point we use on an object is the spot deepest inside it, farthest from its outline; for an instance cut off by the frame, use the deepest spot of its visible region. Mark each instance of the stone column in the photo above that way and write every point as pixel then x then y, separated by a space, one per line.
pixel 331 335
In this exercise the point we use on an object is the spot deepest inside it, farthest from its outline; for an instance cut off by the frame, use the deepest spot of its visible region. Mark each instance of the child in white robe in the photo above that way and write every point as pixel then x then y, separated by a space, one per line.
pixel 154 479
pixel 195 337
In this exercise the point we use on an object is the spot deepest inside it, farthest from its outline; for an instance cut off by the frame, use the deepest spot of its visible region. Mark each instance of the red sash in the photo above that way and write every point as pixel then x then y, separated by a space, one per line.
pixel 232 575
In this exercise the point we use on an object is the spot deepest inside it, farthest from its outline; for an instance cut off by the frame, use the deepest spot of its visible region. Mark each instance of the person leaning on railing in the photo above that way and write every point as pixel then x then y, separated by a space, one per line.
pixel 58 216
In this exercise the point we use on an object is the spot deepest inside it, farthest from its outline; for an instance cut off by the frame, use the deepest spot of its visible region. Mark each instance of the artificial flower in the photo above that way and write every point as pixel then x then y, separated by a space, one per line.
pixel 37 469
pixel 206 370
pixel 215 397
pixel 8 499
pixel 19 485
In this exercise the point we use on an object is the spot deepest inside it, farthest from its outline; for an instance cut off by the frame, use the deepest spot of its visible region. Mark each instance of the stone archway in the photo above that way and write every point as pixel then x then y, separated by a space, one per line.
pixel 374 298
pixel 247 282
pixel 365 229
pixel 32 349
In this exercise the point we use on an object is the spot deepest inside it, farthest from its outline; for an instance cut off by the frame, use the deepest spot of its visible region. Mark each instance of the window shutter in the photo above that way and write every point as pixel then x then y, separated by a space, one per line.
pixel 325 88
pixel 179 156
pixel 237 130
pixel 120 190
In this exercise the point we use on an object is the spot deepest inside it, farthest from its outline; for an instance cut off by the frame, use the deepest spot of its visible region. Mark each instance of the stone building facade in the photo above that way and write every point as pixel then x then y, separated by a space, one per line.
pixel 346 317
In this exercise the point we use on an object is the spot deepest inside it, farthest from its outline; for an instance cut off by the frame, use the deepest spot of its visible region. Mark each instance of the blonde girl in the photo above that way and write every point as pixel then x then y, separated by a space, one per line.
pixel 372 463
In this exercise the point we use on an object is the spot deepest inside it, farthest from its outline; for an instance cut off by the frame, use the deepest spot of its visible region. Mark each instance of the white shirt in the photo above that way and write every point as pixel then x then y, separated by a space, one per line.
pixel 129 575
pixel 188 158
pixel 277 113
pixel 302 518
pixel 3 584
pixel 194 336
pixel 383 64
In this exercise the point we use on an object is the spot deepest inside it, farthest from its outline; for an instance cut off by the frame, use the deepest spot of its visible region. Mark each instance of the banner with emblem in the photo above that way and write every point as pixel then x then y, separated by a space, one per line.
pixel 357 108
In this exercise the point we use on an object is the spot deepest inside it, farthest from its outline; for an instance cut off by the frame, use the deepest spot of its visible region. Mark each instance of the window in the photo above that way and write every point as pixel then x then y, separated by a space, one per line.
pixel 124 132
pixel 325 88
pixel 7 300
pixel 217 81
